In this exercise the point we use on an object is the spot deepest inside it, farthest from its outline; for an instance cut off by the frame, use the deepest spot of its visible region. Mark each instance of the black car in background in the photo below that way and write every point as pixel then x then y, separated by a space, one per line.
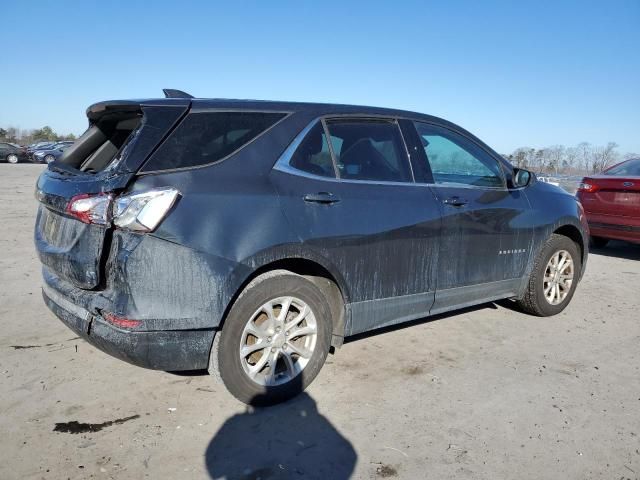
pixel 250 237
pixel 36 146
pixel 12 153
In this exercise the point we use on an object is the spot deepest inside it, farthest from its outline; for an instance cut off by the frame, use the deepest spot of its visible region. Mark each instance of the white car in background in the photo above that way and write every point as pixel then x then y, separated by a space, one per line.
pixel 550 180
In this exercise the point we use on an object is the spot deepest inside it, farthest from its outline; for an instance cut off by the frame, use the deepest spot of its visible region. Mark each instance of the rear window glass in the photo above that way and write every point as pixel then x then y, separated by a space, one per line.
pixel 369 150
pixel 313 155
pixel 629 168
pixel 204 138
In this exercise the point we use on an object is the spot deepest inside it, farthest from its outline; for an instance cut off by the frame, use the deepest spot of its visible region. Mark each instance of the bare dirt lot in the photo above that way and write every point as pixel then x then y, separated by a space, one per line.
pixel 486 393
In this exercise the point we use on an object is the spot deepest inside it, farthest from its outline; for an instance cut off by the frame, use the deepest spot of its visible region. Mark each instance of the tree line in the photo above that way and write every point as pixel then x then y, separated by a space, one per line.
pixel 584 158
pixel 26 137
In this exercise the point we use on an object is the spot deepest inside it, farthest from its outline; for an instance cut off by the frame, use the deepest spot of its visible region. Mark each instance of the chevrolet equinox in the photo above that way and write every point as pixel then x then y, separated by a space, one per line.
pixel 251 237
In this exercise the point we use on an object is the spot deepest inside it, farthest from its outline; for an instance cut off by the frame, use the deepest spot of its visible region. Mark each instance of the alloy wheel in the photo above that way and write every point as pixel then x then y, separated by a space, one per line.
pixel 278 341
pixel 558 277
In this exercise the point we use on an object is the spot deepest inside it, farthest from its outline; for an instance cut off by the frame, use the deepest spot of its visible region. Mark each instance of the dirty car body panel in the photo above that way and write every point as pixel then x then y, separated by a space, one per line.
pixel 397 249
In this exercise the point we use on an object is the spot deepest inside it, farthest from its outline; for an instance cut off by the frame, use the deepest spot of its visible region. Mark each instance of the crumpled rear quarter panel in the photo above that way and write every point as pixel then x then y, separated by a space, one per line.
pixel 168 286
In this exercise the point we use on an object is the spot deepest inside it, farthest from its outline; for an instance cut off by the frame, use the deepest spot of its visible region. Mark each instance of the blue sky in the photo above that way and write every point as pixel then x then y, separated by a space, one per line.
pixel 514 73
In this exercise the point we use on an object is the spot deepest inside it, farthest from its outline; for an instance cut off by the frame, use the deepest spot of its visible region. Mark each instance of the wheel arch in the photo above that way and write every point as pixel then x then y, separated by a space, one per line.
pixel 573 233
pixel 320 272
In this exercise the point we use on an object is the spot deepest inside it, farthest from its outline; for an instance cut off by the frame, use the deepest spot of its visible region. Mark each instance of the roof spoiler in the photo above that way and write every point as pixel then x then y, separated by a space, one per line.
pixel 173 93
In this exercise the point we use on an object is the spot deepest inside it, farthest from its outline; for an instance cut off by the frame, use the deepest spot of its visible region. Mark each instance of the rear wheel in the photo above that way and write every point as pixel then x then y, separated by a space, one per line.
pixel 12 158
pixel 598 242
pixel 274 340
pixel 553 279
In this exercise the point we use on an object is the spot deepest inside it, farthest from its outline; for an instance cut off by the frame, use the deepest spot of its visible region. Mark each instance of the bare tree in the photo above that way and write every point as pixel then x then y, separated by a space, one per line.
pixel 520 157
pixel 571 155
pixel 585 156
pixel 555 155
pixel 604 157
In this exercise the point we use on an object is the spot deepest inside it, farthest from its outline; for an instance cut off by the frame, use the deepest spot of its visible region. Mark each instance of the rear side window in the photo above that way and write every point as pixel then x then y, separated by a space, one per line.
pixel 369 150
pixel 313 155
pixel 207 137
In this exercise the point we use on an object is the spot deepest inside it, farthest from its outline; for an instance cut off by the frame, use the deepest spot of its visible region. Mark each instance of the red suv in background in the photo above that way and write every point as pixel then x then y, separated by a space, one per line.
pixel 611 202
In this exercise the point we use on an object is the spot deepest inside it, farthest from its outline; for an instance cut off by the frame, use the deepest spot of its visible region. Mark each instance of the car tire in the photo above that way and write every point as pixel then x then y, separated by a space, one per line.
pixel 49 158
pixel 598 242
pixel 12 158
pixel 540 297
pixel 290 373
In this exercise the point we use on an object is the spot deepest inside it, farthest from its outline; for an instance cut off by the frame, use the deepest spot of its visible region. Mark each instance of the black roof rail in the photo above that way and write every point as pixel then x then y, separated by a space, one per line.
pixel 173 93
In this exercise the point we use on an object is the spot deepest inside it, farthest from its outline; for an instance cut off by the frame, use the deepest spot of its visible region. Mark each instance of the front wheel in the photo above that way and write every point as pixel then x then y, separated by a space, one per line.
pixel 12 158
pixel 554 278
pixel 49 158
pixel 275 339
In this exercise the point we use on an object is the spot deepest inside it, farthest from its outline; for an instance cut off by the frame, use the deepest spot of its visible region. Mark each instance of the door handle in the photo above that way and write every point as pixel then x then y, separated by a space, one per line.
pixel 325 198
pixel 455 201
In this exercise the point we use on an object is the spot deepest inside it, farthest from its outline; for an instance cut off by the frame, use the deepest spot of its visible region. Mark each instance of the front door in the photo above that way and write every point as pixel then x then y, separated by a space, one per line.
pixel 485 239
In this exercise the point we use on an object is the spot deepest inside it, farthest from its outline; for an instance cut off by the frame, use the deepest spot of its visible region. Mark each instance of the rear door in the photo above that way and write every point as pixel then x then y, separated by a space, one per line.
pixel 101 163
pixel 485 239
pixel 353 202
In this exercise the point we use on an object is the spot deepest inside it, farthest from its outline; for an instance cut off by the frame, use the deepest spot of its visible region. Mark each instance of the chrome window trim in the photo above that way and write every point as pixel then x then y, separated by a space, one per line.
pixel 283 162
pixel 406 150
pixel 332 152
pixel 283 165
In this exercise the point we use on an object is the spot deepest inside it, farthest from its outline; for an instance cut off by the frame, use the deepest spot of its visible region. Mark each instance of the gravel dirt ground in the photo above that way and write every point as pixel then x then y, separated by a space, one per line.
pixel 486 393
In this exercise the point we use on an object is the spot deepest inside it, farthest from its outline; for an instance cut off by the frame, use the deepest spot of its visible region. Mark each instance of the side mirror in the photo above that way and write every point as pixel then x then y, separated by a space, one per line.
pixel 521 177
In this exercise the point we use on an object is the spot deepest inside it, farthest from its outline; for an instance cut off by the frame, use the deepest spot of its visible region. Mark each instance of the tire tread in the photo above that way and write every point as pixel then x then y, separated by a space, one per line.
pixel 529 302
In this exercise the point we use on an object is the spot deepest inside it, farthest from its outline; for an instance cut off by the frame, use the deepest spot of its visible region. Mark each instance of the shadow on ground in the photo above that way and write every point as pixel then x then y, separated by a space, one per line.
pixel 434 318
pixel 618 249
pixel 290 440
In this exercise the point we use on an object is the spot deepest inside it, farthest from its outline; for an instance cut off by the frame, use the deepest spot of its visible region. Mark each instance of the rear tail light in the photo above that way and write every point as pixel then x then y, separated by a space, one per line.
pixel 587 187
pixel 120 322
pixel 140 212
pixel 91 208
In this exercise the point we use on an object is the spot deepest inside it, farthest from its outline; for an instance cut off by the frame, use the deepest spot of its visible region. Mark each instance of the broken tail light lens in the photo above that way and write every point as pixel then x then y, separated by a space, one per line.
pixel 120 322
pixel 91 208
pixel 140 212
pixel 143 212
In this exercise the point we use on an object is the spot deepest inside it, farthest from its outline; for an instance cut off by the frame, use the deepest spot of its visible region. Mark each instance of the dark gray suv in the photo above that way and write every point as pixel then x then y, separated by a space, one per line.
pixel 250 237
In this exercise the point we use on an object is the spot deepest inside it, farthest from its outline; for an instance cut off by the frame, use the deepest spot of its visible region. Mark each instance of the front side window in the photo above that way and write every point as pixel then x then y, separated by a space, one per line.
pixel 369 150
pixel 455 160
pixel 206 137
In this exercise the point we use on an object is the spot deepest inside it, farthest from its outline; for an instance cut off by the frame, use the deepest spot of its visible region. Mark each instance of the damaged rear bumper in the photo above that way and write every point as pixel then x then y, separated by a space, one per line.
pixel 170 350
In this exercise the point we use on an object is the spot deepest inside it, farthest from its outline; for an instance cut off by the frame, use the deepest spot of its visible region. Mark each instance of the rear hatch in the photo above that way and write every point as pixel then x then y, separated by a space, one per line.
pixel 101 163
pixel 611 195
